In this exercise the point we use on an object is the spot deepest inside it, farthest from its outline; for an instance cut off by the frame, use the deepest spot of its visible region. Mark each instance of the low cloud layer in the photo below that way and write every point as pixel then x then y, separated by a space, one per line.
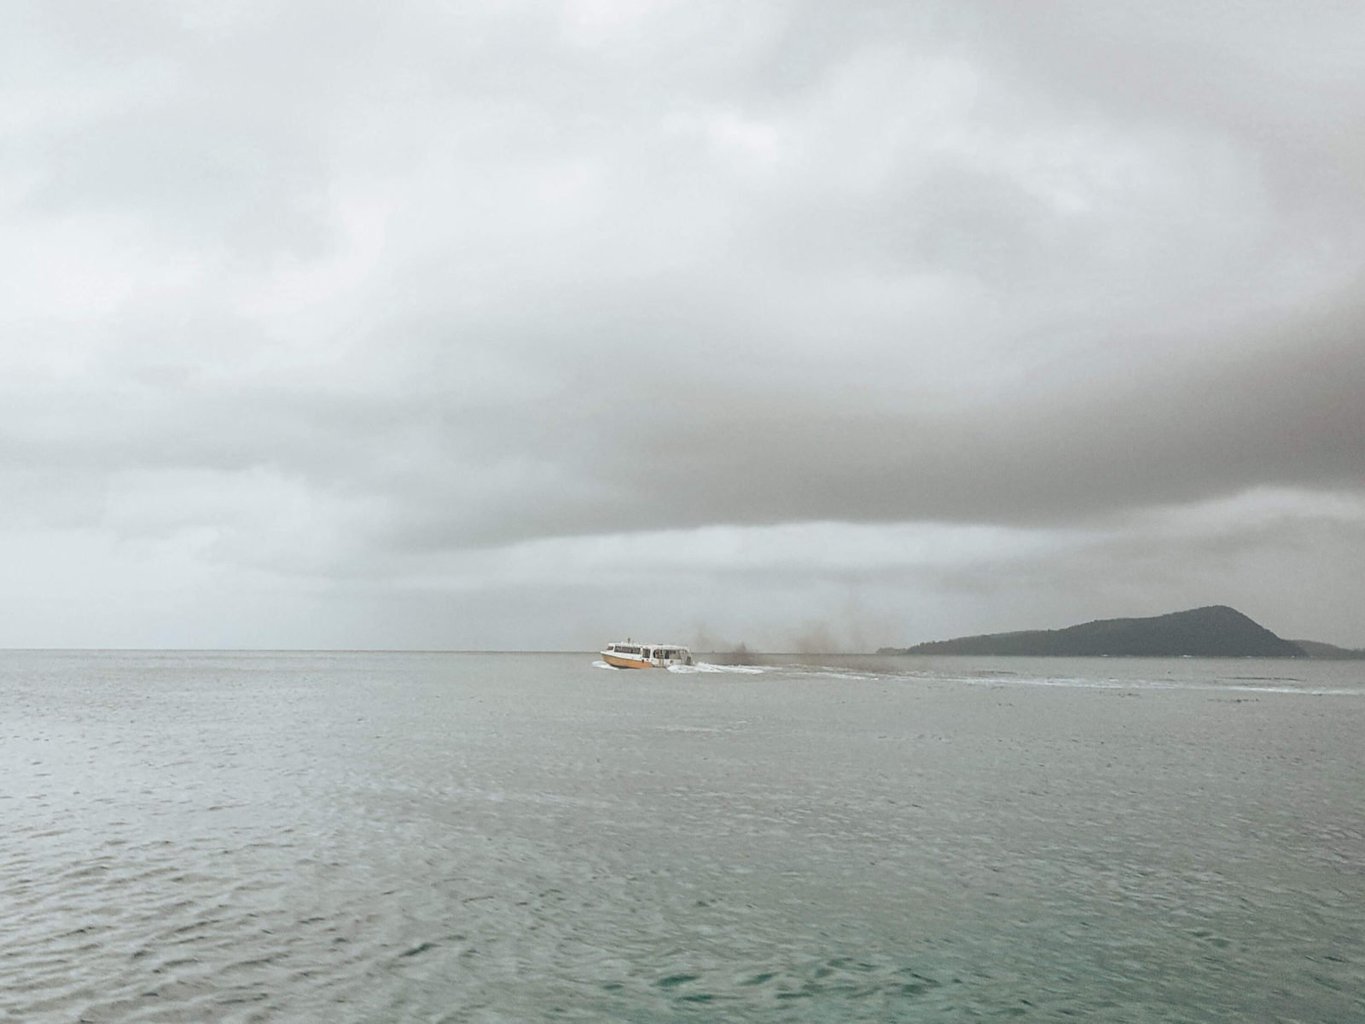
pixel 522 324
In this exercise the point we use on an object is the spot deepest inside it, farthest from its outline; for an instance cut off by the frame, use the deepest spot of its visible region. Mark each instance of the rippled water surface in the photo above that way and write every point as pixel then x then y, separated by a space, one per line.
pixel 453 837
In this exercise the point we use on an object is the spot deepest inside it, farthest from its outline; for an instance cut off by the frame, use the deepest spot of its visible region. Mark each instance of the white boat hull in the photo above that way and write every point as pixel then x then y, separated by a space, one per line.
pixel 618 661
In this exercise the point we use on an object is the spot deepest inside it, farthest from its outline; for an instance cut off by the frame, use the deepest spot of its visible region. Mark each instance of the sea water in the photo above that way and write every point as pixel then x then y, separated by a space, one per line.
pixel 357 837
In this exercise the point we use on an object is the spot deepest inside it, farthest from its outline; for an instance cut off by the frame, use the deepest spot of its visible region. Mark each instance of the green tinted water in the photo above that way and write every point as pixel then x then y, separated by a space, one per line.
pixel 355 837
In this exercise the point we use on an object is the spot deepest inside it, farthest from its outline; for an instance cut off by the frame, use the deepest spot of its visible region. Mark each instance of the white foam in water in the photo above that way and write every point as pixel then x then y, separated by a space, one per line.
pixel 704 666
pixel 701 666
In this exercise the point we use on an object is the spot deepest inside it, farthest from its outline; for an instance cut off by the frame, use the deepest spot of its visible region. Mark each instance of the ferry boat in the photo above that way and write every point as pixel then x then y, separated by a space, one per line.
pixel 632 655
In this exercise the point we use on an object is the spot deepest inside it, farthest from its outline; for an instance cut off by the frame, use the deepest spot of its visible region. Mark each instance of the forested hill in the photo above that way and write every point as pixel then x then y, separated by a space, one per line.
pixel 1213 632
pixel 1330 652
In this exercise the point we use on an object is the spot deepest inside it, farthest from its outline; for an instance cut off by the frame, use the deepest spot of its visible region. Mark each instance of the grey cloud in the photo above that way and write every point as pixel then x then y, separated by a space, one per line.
pixel 706 445
pixel 1181 432
pixel 483 274
pixel 728 449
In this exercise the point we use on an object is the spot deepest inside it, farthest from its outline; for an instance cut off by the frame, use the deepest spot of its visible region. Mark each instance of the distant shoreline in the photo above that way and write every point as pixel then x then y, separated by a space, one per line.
pixel 1212 632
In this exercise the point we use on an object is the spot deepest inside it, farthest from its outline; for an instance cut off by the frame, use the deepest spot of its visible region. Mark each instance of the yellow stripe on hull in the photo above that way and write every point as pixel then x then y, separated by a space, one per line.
pixel 616 661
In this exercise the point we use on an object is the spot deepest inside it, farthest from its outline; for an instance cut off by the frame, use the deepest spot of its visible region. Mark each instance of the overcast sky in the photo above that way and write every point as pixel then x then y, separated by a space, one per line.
pixel 805 325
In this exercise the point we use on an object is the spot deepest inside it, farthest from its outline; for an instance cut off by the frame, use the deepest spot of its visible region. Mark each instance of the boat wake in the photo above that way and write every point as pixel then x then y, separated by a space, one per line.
pixel 706 666
pixel 701 667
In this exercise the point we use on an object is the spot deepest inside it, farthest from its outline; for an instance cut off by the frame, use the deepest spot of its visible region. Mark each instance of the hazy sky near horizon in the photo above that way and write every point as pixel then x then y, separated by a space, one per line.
pixel 797 324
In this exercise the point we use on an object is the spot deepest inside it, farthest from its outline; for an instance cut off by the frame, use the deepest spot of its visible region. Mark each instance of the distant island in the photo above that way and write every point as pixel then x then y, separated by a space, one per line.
pixel 1329 652
pixel 1214 632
